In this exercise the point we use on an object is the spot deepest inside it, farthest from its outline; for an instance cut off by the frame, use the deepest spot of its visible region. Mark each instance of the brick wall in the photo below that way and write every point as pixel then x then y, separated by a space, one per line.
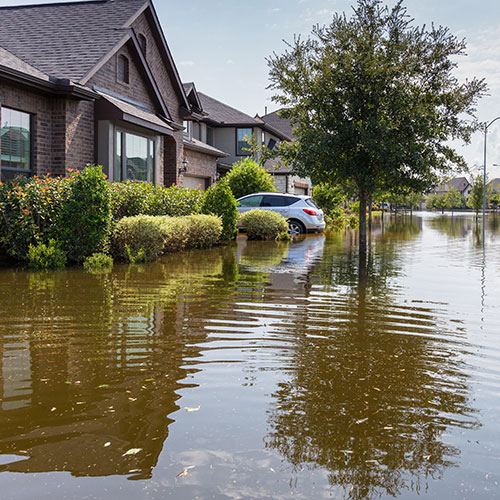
pixel 143 25
pixel 201 165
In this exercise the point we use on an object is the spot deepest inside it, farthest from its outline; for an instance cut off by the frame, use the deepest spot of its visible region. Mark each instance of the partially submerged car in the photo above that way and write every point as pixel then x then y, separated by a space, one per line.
pixel 302 213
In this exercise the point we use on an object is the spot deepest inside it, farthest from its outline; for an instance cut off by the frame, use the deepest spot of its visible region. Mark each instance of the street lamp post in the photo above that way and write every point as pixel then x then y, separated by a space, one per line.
pixel 486 127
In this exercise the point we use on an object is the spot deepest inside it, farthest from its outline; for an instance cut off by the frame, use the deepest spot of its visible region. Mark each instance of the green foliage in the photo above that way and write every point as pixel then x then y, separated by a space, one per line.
pixel 137 257
pixel 98 262
pixel 46 256
pixel 475 199
pixel 219 200
pixel 30 212
pixel 283 236
pixel 263 224
pixel 141 198
pixel 353 221
pixel 374 101
pixel 337 219
pixel 247 177
pixel 454 199
pixel 86 215
pixel 328 197
pixel 436 202
pixel 145 237
pixel 144 233
pixel 495 200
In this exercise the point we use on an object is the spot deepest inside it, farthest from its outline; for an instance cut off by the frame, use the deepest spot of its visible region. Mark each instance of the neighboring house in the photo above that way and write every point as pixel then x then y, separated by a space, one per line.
pixel 225 128
pixel 461 184
pixel 495 185
pixel 286 181
pixel 94 81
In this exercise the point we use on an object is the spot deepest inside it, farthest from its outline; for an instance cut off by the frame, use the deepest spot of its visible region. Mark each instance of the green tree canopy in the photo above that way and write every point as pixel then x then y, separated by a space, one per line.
pixel 374 100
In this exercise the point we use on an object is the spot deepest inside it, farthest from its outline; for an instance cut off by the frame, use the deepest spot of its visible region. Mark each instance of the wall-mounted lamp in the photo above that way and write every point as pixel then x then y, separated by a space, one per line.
pixel 184 167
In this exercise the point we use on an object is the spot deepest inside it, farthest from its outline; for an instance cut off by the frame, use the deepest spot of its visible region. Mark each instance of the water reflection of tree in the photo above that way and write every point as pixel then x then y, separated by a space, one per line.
pixel 372 392
pixel 454 227
pixel 107 359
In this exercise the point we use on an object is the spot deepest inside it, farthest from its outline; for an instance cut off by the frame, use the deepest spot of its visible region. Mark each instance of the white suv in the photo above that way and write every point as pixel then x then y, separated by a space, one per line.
pixel 302 213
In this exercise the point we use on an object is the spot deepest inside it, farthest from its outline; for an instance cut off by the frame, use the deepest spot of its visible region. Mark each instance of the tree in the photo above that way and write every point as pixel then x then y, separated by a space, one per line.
pixel 453 199
pixel 495 201
pixel 248 176
pixel 374 100
pixel 475 199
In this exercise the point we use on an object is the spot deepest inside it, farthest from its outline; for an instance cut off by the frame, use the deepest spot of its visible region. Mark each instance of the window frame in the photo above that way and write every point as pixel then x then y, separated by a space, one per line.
pixel 247 153
pixel 143 43
pixel 127 59
pixel 151 154
pixel 31 171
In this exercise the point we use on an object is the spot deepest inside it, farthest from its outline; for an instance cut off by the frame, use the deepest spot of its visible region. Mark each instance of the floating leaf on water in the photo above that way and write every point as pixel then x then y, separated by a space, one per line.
pixel 361 421
pixel 132 451
pixel 192 409
pixel 68 382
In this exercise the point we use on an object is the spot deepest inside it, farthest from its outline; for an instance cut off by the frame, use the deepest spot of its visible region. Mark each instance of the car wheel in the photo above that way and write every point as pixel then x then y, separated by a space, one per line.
pixel 295 227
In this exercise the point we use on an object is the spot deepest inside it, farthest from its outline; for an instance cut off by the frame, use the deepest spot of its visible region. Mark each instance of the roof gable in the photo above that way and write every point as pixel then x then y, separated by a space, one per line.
pixel 223 114
pixel 66 40
pixel 283 125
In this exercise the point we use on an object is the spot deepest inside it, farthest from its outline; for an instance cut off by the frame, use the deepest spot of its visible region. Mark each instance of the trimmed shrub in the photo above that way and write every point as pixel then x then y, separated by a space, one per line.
pixel 86 215
pixel 140 232
pixel 43 257
pixel 220 201
pixel 263 224
pixel 247 177
pixel 98 262
pixel 141 198
pixel 131 198
pixel 176 201
pixel 149 236
pixel 329 198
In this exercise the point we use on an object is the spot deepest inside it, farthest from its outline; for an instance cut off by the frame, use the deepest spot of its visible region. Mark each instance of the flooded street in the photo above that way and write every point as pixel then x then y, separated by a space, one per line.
pixel 260 371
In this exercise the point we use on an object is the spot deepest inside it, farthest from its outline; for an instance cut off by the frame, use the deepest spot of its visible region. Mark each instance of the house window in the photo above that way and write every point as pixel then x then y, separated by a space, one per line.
pixel 143 44
pixel 15 143
pixel 241 143
pixel 123 69
pixel 187 129
pixel 210 136
pixel 135 157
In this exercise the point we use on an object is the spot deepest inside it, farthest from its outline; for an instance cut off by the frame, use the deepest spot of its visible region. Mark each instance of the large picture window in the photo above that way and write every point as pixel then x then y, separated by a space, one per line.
pixel 15 143
pixel 241 143
pixel 135 157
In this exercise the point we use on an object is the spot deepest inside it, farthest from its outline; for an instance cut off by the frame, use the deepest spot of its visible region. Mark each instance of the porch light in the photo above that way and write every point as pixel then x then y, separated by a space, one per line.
pixel 184 167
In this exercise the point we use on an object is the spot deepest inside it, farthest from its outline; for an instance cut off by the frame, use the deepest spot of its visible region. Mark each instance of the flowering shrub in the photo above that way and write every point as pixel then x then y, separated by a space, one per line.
pixel 30 211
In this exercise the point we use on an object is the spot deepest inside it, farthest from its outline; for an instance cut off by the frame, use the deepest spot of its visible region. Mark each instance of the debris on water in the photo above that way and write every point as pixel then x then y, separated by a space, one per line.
pixel 132 451
pixel 191 409
pixel 107 444
pixel 362 421
pixel 388 428
pixel 102 386
pixel 185 472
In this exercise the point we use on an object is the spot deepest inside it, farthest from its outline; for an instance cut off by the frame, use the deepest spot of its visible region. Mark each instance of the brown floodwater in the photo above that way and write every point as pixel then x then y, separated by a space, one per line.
pixel 260 371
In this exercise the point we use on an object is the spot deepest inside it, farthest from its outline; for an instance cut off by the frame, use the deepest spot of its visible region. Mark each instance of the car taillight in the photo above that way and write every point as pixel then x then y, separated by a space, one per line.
pixel 308 211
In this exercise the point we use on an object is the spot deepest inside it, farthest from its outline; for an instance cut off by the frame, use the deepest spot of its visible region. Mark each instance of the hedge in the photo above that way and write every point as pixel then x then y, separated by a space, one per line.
pixel 264 224
pixel 155 235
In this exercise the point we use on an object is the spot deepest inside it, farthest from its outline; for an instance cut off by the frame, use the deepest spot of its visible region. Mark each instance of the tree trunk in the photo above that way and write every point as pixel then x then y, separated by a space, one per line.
pixel 362 222
pixel 369 213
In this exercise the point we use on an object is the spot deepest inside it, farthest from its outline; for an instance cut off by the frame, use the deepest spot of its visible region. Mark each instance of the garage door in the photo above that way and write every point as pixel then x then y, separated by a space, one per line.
pixel 300 190
pixel 195 182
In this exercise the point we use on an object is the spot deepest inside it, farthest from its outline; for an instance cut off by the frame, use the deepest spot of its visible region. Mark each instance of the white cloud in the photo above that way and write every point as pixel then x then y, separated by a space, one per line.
pixel 186 63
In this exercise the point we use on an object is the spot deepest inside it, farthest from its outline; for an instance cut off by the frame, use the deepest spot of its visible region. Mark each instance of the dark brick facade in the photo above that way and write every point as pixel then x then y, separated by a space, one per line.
pixel 201 165
pixel 64 130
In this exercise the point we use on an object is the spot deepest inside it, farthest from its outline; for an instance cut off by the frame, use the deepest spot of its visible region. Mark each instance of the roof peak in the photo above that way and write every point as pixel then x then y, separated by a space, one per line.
pixel 52 4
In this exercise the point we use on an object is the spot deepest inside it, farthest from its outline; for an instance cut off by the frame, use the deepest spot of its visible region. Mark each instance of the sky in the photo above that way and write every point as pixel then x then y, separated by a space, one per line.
pixel 222 46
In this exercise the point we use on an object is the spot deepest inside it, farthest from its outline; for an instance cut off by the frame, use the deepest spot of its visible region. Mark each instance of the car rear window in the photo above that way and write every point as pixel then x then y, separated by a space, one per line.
pixel 311 203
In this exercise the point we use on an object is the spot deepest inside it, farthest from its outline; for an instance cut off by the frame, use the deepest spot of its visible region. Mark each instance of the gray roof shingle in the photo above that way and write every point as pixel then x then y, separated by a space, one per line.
pixel 224 114
pixel 283 125
pixel 10 61
pixel 65 40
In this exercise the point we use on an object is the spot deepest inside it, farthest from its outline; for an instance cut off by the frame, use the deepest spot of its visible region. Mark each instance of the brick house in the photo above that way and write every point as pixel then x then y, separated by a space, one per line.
pixel 224 127
pixel 95 82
